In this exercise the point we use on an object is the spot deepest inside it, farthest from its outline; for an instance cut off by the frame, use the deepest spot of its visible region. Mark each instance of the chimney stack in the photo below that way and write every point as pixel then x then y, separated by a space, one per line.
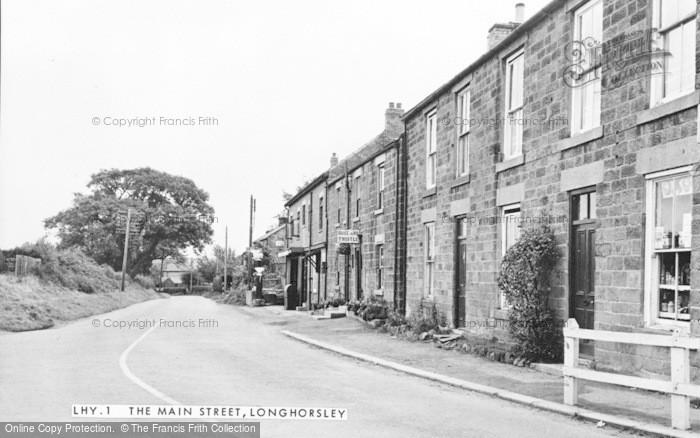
pixel 334 160
pixel 392 118
pixel 500 31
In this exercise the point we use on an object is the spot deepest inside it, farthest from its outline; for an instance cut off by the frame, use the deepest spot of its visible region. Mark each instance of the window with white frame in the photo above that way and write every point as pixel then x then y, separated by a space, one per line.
pixel 510 233
pixel 431 149
pixel 381 174
pixel 320 213
pixel 429 234
pixel 337 197
pixel 668 247
pixel 588 35
pixel 357 197
pixel 298 222
pixel 380 265
pixel 515 72
pixel 463 114
pixel 675 21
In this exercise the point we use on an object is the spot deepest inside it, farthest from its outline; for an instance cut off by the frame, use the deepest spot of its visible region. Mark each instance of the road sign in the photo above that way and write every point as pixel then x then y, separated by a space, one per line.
pixel 257 254
pixel 348 236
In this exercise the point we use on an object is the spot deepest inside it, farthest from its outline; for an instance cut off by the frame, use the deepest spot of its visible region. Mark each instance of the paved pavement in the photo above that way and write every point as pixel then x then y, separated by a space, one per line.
pixel 633 404
pixel 244 361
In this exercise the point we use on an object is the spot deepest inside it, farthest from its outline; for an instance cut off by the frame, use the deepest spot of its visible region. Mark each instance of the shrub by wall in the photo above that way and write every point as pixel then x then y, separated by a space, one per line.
pixel 525 276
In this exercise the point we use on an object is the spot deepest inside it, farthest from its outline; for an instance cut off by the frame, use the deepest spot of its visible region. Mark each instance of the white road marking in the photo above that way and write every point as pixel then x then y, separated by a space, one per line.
pixel 133 378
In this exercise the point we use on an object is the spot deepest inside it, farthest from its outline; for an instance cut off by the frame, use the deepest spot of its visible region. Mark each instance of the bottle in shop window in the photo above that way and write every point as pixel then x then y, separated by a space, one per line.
pixel 671 307
pixel 664 303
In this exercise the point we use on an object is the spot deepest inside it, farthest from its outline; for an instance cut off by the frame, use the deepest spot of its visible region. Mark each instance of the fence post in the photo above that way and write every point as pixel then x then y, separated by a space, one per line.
pixel 680 373
pixel 571 361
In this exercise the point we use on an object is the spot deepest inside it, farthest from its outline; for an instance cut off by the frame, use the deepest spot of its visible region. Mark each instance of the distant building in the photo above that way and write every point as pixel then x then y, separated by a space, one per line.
pixel 305 252
pixel 172 269
pixel 276 241
pixel 363 194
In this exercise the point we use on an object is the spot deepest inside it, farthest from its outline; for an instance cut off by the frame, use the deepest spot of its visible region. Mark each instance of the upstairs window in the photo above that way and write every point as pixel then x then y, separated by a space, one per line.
pixel 357 197
pixel 515 71
pixel 320 213
pixel 431 149
pixel 340 202
pixel 675 21
pixel 303 215
pixel 588 37
pixel 381 174
pixel 463 114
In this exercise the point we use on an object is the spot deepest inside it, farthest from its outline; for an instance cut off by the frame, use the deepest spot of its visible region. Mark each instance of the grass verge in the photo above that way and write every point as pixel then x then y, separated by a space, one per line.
pixel 29 303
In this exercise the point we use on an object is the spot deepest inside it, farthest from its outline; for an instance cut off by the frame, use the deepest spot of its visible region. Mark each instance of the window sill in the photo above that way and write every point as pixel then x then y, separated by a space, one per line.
pixel 667 328
pixel 510 163
pixel 337 225
pixel 666 109
pixel 379 211
pixel 379 292
pixel 429 192
pixel 357 219
pixel 464 179
pixel 580 138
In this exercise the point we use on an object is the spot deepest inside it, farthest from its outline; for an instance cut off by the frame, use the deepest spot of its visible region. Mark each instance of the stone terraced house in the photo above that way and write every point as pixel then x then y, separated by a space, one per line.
pixel 584 117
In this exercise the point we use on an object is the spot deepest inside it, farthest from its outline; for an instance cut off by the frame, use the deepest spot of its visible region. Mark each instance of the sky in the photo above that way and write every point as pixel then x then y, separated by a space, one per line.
pixel 288 82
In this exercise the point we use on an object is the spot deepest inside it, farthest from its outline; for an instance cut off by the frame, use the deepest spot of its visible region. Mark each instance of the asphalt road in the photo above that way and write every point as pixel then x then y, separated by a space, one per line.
pixel 243 361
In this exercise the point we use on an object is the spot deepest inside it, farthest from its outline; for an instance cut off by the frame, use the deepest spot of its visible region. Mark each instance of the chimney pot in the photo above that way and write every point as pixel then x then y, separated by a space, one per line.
pixel 520 12
pixel 398 105
pixel 391 105
pixel 334 160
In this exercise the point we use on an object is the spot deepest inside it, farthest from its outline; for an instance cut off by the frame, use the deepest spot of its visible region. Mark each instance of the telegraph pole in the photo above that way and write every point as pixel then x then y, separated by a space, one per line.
pixel 250 241
pixel 226 260
pixel 126 245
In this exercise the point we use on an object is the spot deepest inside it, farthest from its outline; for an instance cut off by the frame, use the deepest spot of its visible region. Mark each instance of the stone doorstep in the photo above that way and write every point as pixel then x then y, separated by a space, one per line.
pixel 329 315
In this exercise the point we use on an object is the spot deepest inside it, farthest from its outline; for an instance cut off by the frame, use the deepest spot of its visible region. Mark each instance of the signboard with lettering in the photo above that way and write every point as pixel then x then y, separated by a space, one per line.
pixel 348 236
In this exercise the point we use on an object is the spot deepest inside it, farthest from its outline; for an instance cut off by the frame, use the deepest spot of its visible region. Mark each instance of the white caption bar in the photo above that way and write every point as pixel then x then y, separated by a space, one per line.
pixel 210 412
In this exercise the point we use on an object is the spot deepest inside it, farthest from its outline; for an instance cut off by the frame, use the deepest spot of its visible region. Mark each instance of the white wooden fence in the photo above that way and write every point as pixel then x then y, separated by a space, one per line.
pixel 679 386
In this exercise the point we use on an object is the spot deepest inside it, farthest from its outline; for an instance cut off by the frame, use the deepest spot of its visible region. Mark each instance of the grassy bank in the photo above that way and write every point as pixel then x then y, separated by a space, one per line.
pixel 28 303
pixel 67 285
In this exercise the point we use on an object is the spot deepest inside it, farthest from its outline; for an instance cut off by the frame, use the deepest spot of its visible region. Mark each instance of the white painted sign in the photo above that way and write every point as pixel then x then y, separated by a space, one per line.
pixel 348 236
pixel 279 243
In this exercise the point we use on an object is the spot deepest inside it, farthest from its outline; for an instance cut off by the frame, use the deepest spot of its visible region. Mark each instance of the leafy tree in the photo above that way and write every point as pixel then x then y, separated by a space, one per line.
pixel 209 267
pixel 170 211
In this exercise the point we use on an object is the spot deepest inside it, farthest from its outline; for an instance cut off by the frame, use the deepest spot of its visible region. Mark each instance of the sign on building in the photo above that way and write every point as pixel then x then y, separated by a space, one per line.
pixel 348 236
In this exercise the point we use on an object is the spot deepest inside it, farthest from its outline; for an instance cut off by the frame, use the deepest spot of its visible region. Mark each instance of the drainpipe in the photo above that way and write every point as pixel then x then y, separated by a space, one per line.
pixel 400 227
pixel 325 272
pixel 308 252
pixel 347 226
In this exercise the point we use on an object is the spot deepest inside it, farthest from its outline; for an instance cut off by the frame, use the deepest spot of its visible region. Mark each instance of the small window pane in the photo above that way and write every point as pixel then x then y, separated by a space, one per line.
pixel 592 205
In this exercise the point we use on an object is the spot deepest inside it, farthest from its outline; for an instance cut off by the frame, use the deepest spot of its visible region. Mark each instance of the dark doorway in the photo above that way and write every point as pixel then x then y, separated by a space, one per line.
pixel 461 273
pixel 303 293
pixel 358 272
pixel 582 266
